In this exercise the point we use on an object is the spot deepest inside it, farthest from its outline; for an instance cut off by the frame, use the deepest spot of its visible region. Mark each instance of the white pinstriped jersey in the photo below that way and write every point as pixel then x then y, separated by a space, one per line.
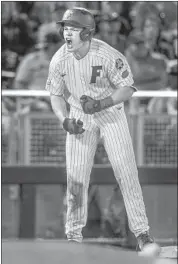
pixel 101 71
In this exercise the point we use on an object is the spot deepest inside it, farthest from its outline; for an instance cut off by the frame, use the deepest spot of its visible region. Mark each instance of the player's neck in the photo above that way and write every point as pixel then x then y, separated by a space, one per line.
pixel 82 52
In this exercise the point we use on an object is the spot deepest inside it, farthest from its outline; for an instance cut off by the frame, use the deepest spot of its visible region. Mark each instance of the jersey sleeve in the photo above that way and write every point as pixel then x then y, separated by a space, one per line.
pixel 119 72
pixel 55 83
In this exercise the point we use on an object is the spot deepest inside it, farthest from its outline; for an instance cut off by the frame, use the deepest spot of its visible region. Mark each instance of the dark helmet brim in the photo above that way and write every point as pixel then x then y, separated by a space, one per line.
pixel 70 23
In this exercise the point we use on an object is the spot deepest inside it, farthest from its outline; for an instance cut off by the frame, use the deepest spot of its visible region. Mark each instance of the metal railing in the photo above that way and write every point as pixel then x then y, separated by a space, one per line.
pixel 38 139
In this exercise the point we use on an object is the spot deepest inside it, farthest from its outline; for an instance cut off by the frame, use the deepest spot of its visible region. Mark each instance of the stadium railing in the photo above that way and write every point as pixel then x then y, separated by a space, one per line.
pixel 33 153
pixel 37 138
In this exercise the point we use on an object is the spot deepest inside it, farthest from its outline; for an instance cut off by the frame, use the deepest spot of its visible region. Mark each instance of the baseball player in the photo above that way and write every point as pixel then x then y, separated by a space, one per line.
pixel 96 80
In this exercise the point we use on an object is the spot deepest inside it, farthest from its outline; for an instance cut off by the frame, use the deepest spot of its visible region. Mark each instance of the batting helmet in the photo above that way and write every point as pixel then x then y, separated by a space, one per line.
pixel 79 17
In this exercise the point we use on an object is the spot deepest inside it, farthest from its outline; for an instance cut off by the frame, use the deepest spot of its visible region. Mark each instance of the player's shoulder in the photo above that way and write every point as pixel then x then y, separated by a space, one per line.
pixel 61 55
pixel 104 50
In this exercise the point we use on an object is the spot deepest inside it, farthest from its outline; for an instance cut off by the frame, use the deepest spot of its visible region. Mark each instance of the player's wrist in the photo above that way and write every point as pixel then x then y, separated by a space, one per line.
pixel 106 102
pixel 63 120
pixel 65 123
pixel 67 95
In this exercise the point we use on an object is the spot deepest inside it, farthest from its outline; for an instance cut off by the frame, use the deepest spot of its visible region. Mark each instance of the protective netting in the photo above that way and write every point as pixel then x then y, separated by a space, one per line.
pixel 154 138
pixel 160 140
pixel 47 141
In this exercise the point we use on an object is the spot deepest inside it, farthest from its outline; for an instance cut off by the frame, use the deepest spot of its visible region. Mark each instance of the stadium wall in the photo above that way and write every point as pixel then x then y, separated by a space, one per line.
pixel 24 211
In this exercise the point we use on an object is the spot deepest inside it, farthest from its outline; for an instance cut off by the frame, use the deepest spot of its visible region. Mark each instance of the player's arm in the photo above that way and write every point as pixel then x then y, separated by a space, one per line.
pixel 59 107
pixel 121 78
pixel 122 94
pixel 71 125
pixel 56 86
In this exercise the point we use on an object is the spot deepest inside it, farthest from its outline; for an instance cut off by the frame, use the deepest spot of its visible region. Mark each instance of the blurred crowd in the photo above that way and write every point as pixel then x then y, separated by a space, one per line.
pixel 145 32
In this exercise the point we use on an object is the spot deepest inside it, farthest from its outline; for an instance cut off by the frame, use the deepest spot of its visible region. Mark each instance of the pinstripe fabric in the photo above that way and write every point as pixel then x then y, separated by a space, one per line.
pixel 101 71
pixel 118 145
pixel 66 72
pixel 80 151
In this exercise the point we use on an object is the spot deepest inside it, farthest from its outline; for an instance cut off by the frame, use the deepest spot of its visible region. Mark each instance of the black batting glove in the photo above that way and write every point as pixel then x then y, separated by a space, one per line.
pixel 72 126
pixel 91 106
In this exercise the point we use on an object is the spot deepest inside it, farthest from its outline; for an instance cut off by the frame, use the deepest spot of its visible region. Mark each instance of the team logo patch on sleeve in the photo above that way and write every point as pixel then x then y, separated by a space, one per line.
pixel 119 64
pixel 125 74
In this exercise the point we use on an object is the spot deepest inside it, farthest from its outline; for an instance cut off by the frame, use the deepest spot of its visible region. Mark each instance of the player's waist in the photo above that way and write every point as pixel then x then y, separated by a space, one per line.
pixel 75 106
pixel 78 109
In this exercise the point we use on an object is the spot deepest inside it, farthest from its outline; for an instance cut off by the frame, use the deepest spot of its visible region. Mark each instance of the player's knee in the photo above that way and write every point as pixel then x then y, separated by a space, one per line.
pixel 76 192
pixel 75 187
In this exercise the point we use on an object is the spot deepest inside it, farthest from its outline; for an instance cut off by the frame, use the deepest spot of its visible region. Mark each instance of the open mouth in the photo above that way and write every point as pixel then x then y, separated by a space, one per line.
pixel 69 42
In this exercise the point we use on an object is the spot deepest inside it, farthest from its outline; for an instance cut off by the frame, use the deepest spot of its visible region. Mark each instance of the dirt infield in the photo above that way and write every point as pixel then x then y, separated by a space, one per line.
pixel 62 252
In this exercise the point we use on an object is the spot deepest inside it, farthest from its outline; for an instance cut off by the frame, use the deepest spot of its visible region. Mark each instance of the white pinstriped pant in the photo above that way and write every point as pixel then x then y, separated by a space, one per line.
pixel 80 150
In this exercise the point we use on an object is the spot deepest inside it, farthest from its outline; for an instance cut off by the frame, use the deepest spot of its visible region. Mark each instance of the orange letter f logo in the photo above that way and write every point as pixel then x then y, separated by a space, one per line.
pixel 95 72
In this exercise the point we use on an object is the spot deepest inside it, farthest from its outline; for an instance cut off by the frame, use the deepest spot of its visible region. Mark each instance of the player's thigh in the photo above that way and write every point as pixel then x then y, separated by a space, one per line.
pixel 118 142
pixel 80 149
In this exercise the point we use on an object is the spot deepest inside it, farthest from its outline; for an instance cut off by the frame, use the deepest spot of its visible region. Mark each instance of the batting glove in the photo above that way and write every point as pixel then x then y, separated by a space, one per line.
pixel 91 106
pixel 72 126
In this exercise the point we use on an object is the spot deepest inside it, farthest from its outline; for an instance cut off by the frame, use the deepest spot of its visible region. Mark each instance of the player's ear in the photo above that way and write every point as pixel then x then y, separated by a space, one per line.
pixel 61 32
pixel 86 34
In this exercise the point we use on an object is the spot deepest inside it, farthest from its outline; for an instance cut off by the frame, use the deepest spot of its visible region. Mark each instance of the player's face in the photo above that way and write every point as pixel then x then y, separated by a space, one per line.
pixel 72 38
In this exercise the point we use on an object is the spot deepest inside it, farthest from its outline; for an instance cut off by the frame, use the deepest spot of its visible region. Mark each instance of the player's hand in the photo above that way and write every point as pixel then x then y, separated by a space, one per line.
pixel 73 126
pixel 90 105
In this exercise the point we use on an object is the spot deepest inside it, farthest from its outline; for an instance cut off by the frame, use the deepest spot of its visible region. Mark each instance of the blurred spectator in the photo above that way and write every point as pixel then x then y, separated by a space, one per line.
pixel 18 38
pixel 172 106
pixel 9 60
pixel 117 40
pixel 167 16
pixel 168 11
pixel 166 105
pixel 7 9
pixel 172 66
pixel 56 12
pixel 5 118
pixel 108 30
pixel 141 10
pixel 148 66
pixel 120 10
pixel 43 10
pixel 157 105
pixel 102 28
pixel 168 42
pixel 17 35
pixel 173 76
pixel 7 110
pixel 33 69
